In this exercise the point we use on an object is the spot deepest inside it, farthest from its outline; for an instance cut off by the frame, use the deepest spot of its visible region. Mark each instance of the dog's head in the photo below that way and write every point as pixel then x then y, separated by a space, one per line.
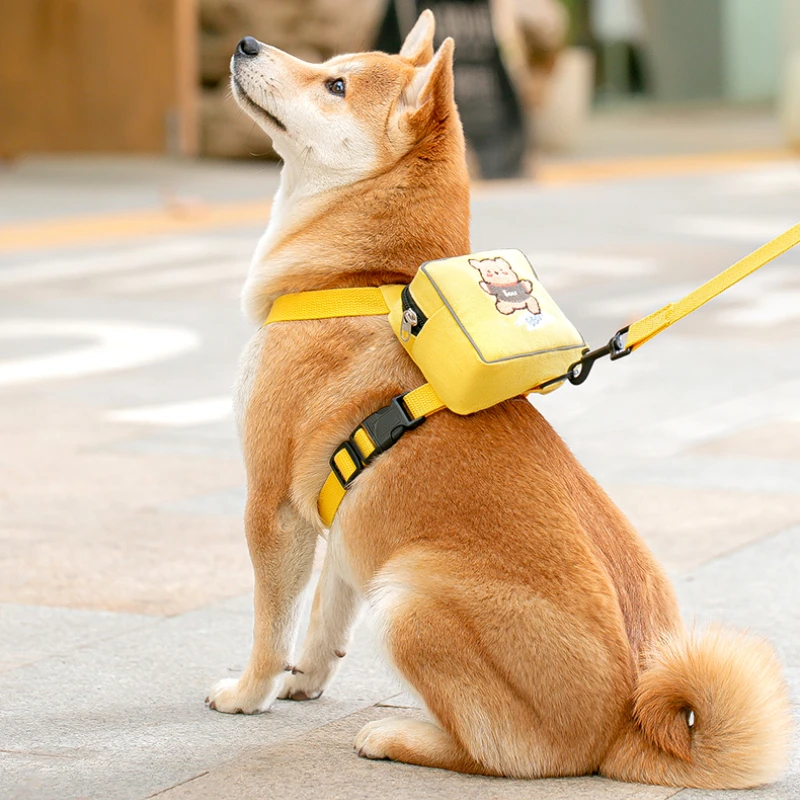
pixel 354 115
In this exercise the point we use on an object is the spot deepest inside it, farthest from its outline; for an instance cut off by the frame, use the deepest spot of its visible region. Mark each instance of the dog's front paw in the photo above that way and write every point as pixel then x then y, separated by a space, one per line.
pixel 304 685
pixel 230 697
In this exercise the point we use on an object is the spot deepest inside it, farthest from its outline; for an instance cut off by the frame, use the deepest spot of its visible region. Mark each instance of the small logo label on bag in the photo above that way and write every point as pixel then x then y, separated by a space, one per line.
pixel 529 321
pixel 511 294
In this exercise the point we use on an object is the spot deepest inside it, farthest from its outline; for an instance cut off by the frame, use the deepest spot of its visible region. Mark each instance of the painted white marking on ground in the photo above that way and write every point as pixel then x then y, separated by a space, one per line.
pixel 122 260
pixel 176 415
pixel 757 230
pixel 783 178
pixel 115 346
pixel 557 270
pixel 202 274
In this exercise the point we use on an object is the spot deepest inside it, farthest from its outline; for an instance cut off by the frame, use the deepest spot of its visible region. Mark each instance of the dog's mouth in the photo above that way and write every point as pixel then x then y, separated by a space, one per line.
pixel 255 107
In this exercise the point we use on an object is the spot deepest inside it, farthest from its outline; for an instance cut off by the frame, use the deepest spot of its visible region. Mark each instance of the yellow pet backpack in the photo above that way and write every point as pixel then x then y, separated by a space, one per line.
pixel 482 329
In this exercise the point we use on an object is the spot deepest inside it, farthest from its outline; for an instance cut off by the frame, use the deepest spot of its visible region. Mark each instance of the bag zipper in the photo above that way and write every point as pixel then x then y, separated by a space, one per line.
pixel 413 317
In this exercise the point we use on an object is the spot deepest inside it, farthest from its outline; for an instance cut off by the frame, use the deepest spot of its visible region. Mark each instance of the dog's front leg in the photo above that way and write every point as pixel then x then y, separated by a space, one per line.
pixel 282 550
pixel 335 605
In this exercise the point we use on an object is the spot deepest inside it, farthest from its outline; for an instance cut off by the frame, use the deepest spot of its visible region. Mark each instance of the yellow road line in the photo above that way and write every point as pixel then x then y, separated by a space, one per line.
pixel 177 219
pixel 627 168
pixel 97 228
pixel 558 174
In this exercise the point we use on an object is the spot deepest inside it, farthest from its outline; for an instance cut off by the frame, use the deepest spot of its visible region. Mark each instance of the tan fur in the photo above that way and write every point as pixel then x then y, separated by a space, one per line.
pixel 511 594
pixel 741 730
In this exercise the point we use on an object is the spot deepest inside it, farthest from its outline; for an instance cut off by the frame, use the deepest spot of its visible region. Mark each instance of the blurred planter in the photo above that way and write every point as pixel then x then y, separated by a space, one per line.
pixel 566 102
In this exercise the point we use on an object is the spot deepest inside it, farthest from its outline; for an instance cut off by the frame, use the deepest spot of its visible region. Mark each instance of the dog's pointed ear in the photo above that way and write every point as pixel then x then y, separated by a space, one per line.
pixel 433 82
pixel 418 46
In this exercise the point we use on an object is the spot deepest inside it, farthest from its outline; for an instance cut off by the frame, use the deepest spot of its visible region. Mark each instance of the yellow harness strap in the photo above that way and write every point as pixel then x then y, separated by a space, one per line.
pixel 369 439
pixel 382 429
pixel 328 303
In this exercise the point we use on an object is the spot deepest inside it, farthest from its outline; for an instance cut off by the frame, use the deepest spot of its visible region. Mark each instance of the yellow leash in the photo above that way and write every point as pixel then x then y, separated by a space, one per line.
pixel 632 337
pixel 382 429
pixel 649 326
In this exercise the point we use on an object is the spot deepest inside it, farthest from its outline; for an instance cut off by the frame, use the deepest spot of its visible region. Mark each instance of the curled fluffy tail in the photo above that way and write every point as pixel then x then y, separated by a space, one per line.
pixel 711 711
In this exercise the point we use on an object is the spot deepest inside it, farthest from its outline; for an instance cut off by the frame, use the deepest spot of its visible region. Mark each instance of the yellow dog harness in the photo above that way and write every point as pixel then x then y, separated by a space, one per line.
pixel 509 289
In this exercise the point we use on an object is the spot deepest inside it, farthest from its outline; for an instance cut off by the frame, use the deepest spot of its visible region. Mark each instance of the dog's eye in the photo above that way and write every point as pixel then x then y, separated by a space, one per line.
pixel 335 86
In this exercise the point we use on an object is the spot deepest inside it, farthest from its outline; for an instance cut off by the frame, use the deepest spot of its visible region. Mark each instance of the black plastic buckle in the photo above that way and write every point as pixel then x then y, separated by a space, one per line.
pixel 352 451
pixel 615 349
pixel 387 426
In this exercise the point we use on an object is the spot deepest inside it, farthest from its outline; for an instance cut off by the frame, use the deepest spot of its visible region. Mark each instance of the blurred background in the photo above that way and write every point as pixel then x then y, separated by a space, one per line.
pixel 151 76
pixel 639 147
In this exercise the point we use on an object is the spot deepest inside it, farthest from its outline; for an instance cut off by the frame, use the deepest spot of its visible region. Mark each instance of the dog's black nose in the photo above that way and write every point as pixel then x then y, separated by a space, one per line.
pixel 249 46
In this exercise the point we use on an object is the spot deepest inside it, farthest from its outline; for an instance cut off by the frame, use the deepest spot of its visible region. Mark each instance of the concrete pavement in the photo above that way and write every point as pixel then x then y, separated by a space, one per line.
pixel 125 588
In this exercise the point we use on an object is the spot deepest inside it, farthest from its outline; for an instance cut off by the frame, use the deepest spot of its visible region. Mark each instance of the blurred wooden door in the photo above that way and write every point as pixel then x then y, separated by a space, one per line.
pixel 98 76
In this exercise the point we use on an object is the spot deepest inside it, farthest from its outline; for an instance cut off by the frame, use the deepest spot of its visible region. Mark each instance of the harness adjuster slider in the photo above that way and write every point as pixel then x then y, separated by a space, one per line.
pixel 352 450
pixel 387 426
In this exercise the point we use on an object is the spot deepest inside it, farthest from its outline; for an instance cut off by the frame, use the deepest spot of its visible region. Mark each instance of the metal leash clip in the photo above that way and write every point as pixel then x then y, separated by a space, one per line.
pixel 615 349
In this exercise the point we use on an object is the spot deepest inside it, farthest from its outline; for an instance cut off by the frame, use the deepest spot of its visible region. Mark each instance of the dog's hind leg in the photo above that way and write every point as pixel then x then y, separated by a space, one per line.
pixel 282 550
pixel 519 685
pixel 335 605
pixel 415 742
pixel 440 660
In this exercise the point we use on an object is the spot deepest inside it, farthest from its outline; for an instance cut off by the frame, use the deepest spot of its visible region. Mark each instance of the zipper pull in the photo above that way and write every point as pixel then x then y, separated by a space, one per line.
pixel 409 321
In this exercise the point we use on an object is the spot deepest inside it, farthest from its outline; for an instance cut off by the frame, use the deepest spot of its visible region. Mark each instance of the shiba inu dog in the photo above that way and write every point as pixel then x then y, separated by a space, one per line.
pixel 510 593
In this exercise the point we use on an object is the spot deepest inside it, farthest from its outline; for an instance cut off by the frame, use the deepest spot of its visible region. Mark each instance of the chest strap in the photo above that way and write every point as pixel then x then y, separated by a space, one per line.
pixel 379 431
pixel 375 435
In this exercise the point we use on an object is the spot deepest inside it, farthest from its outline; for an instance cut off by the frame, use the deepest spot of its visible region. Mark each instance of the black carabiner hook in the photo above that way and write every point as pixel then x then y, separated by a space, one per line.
pixel 615 349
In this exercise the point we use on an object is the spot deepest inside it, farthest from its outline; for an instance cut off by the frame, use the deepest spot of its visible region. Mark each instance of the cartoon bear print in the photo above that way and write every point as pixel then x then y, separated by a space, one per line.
pixel 510 293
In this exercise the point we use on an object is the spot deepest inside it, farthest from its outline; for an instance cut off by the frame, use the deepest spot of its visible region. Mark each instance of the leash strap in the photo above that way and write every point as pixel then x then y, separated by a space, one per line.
pixel 651 325
pixel 643 330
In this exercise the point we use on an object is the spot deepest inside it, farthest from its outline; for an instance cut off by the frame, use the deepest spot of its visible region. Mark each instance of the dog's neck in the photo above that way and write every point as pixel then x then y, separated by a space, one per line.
pixel 375 231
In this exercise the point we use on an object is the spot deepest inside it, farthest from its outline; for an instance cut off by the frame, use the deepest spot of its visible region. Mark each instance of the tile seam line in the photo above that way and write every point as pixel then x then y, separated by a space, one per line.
pixel 742 548
pixel 212 603
pixel 177 785
pixel 233 759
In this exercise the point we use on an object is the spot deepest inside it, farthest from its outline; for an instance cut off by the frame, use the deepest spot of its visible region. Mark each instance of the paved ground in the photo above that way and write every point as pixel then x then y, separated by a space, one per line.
pixel 125 588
